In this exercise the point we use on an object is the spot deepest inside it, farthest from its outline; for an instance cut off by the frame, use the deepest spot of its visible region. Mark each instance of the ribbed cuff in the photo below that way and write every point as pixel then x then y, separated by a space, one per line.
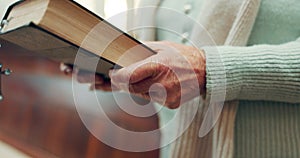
pixel 262 72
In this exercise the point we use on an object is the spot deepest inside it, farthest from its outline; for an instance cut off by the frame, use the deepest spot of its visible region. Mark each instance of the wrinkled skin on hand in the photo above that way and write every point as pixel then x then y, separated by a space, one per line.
pixel 173 76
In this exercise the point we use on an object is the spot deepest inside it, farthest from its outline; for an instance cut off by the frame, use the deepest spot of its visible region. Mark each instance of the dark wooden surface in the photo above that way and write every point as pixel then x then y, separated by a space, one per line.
pixel 38 115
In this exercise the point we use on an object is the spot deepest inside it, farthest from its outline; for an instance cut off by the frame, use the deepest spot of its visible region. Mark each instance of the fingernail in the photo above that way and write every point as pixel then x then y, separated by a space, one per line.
pixel 62 67
pixel 66 69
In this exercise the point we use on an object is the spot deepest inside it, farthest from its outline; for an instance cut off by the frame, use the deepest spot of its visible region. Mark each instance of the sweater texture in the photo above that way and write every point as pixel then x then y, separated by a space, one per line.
pixel 265 76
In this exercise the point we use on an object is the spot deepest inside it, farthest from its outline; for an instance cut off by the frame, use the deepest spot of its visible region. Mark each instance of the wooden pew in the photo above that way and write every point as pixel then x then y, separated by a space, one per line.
pixel 38 116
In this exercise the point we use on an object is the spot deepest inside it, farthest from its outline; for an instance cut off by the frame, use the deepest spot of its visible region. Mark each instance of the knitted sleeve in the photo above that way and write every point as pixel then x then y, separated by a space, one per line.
pixel 259 72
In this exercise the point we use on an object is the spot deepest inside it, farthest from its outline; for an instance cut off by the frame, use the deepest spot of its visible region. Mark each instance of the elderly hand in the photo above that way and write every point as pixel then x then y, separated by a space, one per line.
pixel 173 76
pixel 97 81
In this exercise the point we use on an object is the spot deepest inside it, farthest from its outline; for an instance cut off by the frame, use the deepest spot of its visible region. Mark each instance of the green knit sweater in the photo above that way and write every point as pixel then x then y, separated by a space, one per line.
pixel 265 75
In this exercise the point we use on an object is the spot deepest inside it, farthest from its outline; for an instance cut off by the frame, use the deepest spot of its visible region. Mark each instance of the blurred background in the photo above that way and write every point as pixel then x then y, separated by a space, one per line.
pixel 38 116
pixel 109 8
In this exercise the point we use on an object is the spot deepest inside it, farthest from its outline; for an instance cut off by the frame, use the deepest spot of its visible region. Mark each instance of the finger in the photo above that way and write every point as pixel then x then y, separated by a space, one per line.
pixel 117 77
pixel 156 98
pixel 153 45
pixel 143 95
pixel 142 86
pixel 143 72
pixel 106 87
pixel 67 69
pixel 174 105
pixel 160 95
pixel 130 75
pixel 88 77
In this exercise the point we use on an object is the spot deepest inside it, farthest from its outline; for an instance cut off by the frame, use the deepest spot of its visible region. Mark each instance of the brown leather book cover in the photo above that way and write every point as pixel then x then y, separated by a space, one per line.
pixel 62 30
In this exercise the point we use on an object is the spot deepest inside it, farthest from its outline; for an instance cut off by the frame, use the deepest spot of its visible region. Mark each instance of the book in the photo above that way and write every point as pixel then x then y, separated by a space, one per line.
pixel 59 29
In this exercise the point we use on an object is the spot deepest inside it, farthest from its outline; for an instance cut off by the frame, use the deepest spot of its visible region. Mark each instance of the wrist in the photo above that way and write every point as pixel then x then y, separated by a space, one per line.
pixel 202 80
pixel 200 68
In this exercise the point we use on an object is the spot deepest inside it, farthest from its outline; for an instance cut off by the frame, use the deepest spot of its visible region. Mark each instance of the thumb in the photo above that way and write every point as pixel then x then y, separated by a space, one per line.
pixel 133 74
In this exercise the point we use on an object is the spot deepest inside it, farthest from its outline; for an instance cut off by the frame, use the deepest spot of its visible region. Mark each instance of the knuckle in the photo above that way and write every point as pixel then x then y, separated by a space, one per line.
pixel 169 86
pixel 174 101
pixel 80 79
pixel 173 105
pixel 133 88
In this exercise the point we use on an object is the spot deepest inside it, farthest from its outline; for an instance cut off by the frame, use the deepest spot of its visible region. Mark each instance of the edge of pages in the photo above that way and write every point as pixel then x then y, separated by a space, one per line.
pixel 5 7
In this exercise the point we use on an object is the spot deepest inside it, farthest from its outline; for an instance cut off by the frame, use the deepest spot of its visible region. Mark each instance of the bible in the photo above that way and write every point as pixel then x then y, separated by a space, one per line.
pixel 63 30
